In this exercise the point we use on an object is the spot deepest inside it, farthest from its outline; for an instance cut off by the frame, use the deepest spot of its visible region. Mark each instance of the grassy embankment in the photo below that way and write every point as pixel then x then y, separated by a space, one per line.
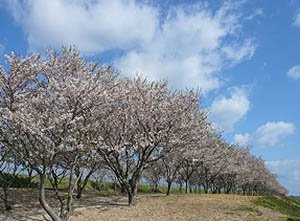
pixel 289 206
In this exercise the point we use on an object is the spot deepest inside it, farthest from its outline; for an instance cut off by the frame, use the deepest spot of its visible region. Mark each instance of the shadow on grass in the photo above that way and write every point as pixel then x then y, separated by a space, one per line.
pixel 25 203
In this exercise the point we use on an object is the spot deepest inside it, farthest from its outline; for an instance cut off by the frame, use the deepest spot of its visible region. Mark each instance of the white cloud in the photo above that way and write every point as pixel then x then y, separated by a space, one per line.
pixel 236 53
pixel 297 20
pixel 294 72
pixel 190 49
pixel 241 139
pixel 227 111
pixel 288 172
pixel 93 26
pixel 187 44
pixel 269 134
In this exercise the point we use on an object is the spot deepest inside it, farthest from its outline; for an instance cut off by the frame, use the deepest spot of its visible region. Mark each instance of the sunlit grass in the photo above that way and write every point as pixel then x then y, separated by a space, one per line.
pixel 286 205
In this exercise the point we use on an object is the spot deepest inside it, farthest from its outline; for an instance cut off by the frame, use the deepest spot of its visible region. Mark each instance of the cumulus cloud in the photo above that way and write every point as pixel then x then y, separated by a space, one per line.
pixel 187 44
pixel 294 72
pixel 242 139
pixel 93 26
pixel 190 49
pixel 288 172
pixel 269 134
pixel 227 111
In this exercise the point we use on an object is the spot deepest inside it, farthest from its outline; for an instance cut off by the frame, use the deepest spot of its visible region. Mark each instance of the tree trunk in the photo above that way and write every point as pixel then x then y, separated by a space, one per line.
pixel 79 191
pixel 68 209
pixel 5 199
pixel 186 186
pixel 43 201
pixel 79 187
pixel 123 189
pixel 205 187
pixel 156 189
pixel 132 197
pixel 30 172
pixel 169 188
pixel 82 181
pixel 132 192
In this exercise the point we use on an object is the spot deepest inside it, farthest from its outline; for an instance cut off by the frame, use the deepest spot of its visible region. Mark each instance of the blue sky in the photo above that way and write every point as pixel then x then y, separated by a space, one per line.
pixel 243 54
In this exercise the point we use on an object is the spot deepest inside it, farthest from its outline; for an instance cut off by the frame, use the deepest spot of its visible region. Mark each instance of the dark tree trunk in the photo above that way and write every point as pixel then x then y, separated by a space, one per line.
pixel 186 186
pixel 169 188
pixel 156 189
pixel 205 187
pixel 79 192
pixel 123 189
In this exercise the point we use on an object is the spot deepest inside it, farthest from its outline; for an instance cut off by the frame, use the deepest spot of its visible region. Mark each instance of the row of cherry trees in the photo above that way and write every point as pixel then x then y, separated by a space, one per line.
pixel 222 169
pixel 62 118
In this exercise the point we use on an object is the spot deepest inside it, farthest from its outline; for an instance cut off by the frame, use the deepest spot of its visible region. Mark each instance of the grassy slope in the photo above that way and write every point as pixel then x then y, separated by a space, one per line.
pixel 289 206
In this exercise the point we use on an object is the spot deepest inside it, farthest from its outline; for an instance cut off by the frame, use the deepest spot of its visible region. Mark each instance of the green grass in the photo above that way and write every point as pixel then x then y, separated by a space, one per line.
pixel 144 188
pixel 92 185
pixel 289 206
pixel 296 199
pixel 18 181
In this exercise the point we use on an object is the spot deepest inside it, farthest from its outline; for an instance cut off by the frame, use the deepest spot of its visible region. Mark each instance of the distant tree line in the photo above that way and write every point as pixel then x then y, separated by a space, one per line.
pixel 65 119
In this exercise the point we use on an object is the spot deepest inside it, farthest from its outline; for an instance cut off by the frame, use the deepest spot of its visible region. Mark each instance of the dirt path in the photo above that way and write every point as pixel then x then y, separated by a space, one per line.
pixel 153 208
pixel 181 208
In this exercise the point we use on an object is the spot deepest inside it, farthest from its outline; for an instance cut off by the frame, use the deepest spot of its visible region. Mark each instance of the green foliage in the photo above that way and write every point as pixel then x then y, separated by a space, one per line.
pixel 19 181
pixel 285 205
pixel 103 186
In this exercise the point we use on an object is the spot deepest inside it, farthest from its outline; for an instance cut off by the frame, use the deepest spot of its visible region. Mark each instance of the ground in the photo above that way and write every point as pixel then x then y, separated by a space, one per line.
pixel 154 207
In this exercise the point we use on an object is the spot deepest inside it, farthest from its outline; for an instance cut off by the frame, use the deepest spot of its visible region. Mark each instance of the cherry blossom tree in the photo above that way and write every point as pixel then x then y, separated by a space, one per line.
pixel 146 124
pixel 187 143
pixel 64 118
pixel 46 107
